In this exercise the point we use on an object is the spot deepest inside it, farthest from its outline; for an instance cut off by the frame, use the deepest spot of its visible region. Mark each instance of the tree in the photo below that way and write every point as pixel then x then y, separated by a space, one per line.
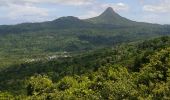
pixel 38 85
pixel 154 75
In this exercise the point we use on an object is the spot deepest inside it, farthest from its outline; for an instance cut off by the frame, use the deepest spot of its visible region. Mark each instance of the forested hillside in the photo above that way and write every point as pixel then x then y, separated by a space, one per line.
pixel 107 57
pixel 27 41
pixel 127 71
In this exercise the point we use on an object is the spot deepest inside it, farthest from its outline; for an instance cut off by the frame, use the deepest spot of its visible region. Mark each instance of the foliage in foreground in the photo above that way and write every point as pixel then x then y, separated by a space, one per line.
pixel 112 82
pixel 141 71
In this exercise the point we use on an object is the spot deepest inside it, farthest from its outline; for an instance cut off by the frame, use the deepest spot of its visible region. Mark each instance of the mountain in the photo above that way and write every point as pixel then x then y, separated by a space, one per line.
pixel 107 57
pixel 109 16
pixel 60 23
pixel 71 34
pixel 108 19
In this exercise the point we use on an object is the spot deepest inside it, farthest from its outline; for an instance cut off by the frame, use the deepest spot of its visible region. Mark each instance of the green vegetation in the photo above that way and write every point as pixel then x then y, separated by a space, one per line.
pixel 127 71
pixel 103 58
pixel 111 17
pixel 37 40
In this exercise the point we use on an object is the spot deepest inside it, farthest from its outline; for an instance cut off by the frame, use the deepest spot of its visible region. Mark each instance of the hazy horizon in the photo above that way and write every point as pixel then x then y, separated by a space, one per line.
pixel 21 11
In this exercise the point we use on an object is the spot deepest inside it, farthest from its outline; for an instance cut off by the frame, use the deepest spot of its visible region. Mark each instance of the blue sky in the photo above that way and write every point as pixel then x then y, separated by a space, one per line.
pixel 19 11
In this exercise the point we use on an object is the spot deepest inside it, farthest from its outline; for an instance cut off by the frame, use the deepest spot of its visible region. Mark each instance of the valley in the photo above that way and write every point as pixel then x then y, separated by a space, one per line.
pixel 107 57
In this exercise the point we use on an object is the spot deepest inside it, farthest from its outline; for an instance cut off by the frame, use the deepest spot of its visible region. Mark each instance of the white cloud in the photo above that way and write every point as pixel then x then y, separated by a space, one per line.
pixel 31 10
pixel 25 13
pixel 27 10
pixel 161 7
pixel 63 2
pixel 154 18
pixel 89 14
pixel 116 6
pixel 73 2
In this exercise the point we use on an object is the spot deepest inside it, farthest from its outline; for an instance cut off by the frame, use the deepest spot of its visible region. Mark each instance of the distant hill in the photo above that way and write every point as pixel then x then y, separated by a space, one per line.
pixel 108 19
pixel 72 34
pixel 109 16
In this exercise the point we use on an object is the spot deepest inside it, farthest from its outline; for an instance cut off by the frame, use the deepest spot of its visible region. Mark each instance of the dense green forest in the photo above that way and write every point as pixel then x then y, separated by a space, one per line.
pixel 107 57
pixel 127 71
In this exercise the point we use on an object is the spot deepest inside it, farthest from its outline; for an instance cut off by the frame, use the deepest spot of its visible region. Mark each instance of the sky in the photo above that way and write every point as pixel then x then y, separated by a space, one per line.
pixel 21 11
